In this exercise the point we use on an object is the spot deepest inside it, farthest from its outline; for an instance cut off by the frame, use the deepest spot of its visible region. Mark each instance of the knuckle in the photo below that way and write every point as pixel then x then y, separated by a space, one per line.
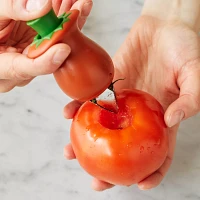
pixel 14 71
pixel 194 102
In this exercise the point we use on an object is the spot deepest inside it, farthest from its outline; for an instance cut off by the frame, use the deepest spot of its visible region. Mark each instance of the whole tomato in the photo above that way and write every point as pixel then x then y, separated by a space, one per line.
pixel 125 147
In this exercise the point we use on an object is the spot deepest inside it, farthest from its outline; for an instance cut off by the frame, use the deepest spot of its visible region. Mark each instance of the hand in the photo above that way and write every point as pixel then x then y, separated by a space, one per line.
pixel 161 57
pixel 16 69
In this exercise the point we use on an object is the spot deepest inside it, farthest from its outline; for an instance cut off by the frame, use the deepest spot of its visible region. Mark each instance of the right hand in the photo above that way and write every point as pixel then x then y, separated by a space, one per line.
pixel 163 59
pixel 16 69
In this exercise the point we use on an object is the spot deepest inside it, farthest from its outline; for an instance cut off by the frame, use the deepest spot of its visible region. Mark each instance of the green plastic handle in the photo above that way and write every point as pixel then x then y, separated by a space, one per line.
pixel 45 24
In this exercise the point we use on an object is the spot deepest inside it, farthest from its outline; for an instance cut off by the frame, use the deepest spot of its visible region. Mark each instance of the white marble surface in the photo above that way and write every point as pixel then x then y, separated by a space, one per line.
pixel 33 133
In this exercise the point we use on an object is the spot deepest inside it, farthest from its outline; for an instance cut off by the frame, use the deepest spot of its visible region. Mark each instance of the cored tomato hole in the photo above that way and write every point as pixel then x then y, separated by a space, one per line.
pixel 114 120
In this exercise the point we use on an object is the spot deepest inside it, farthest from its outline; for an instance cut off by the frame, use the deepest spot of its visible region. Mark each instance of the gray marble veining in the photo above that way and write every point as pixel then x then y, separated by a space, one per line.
pixel 33 133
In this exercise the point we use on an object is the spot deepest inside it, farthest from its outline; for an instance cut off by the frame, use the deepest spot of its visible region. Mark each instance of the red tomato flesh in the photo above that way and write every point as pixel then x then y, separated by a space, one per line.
pixel 125 147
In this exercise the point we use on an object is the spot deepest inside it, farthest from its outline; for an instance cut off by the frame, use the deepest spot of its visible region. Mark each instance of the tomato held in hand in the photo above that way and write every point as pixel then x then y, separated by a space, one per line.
pixel 125 147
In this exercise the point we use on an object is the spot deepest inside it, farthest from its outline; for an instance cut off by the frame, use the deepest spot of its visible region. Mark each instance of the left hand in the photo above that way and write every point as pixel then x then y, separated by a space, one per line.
pixel 16 69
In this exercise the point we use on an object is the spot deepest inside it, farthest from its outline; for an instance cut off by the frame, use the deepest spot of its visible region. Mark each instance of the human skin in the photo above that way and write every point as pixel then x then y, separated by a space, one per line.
pixel 16 69
pixel 161 55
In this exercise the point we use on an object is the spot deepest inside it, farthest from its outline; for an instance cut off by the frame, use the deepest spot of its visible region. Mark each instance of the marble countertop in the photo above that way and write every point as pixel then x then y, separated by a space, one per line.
pixel 33 133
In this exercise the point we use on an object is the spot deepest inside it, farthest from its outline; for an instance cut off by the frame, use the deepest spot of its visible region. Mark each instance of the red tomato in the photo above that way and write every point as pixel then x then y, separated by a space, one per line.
pixel 125 147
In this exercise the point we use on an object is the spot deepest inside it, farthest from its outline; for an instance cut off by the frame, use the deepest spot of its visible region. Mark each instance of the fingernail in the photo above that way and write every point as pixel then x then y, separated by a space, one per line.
pixel 60 56
pixel 175 118
pixel 34 5
pixel 142 187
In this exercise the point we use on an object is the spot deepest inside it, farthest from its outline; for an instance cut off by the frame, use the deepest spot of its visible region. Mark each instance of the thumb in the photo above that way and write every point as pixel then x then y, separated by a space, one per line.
pixel 188 103
pixel 24 10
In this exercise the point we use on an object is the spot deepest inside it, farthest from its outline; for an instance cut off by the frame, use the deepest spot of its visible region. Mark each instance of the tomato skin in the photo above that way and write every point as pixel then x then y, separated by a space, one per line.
pixel 88 70
pixel 122 148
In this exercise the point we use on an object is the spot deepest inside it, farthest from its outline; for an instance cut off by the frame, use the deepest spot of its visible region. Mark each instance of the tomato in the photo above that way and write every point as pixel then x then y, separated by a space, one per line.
pixel 88 70
pixel 121 148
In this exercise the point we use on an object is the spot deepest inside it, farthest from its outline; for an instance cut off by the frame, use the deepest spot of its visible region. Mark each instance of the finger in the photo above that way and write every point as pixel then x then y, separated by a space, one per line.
pixel 7 85
pixel 100 185
pixel 69 152
pixel 71 109
pixel 56 4
pixel 188 103
pixel 85 7
pixel 65 6
pixel 19 66
pixel 155 179
pixel 96 184
pixel 24 9
pixel 8 49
